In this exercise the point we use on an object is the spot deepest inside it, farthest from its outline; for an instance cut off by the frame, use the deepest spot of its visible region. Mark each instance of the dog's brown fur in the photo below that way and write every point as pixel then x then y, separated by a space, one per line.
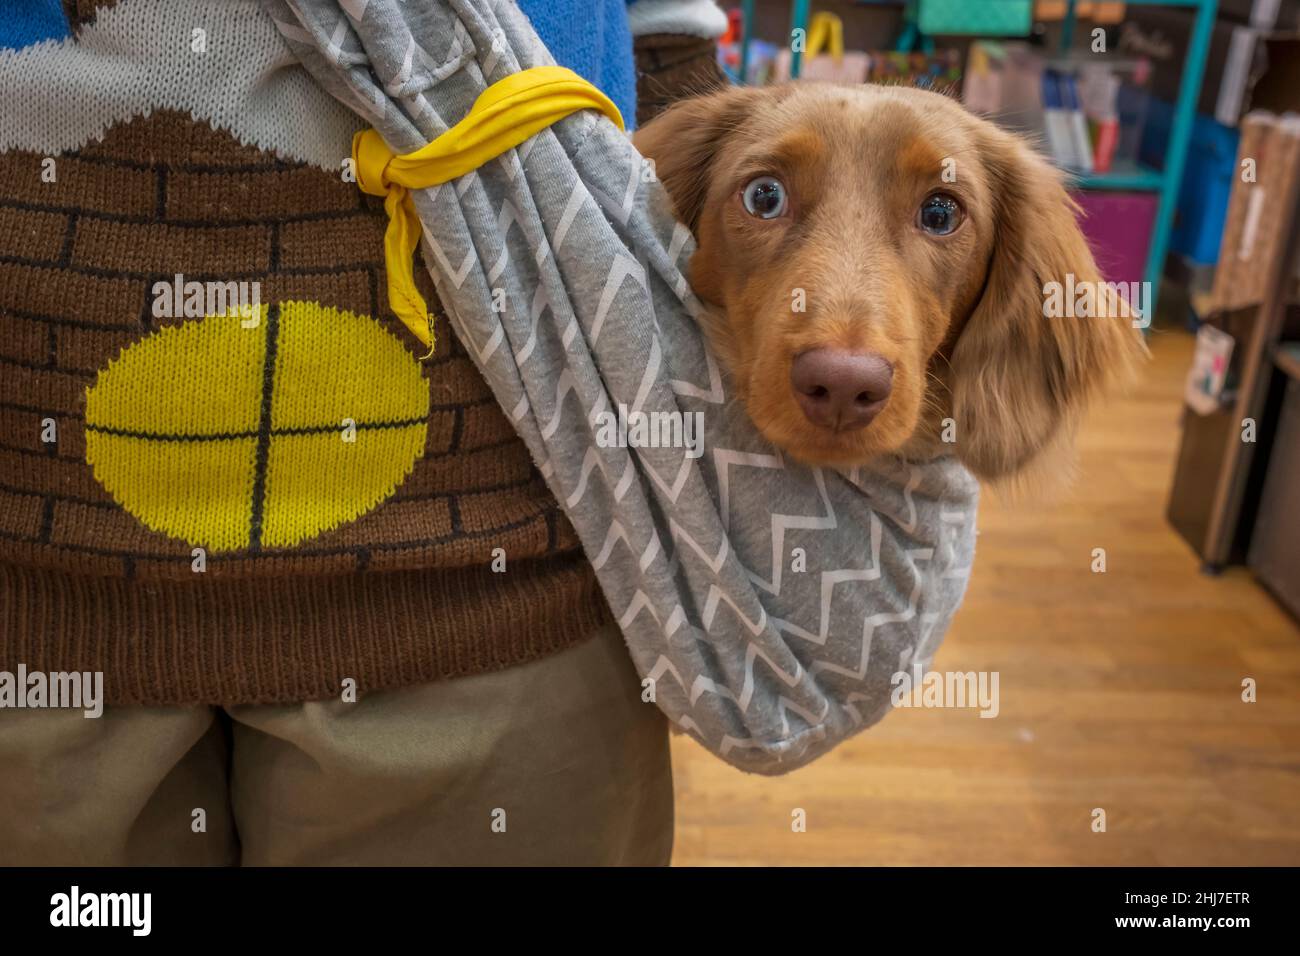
pixel 960 317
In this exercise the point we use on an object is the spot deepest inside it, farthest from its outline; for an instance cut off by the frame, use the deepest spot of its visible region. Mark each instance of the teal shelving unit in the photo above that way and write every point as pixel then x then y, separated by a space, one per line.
pixel 1165 181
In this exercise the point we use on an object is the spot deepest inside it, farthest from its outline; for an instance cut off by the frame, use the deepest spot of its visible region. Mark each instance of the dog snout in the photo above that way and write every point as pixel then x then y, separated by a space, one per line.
pixel 842 391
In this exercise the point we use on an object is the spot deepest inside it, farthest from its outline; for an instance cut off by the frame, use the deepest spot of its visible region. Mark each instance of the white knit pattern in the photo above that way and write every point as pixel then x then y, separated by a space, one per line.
pixel 142 55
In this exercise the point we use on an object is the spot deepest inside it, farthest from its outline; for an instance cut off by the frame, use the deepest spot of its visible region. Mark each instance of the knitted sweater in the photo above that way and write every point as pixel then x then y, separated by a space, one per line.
pixel 226 475
pixel 590 37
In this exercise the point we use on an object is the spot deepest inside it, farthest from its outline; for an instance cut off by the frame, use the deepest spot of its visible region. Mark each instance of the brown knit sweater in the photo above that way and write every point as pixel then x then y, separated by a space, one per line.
pixel 181 506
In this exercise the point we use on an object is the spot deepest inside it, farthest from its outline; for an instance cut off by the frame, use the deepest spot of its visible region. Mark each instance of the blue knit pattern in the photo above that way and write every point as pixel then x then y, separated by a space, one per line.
pixel 590 37
pixel 24 22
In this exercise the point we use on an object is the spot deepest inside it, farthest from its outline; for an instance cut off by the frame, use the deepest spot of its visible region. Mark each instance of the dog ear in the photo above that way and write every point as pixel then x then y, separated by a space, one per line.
pixel 683 141
pixel 1022 373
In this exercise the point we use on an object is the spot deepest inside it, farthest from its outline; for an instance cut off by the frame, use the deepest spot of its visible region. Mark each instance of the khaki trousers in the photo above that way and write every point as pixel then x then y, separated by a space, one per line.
pixel 557 762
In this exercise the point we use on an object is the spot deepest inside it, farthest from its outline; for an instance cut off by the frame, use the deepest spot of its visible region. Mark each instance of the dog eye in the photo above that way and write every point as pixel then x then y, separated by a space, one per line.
pixel 764 197
pixel 940 214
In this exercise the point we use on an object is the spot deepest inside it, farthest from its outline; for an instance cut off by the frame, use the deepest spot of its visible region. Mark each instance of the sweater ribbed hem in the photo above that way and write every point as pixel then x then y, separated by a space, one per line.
pixel 280 640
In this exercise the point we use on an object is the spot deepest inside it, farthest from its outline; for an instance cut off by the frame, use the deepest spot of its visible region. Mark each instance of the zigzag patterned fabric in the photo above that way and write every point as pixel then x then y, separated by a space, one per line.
pixel 766 662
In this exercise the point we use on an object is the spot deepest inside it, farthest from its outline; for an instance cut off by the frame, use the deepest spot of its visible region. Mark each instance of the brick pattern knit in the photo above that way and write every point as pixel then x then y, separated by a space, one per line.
pixel 216 506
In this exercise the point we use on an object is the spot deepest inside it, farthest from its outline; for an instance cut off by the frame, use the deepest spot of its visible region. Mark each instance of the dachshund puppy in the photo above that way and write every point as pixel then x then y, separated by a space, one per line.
pixel 875 262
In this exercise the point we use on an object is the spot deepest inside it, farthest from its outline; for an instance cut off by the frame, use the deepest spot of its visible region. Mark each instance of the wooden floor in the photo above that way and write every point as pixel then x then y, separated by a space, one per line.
pixel 1119 690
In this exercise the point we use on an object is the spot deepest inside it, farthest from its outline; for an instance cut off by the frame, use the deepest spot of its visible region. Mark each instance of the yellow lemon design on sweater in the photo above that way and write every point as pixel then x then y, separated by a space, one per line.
pixel 233 437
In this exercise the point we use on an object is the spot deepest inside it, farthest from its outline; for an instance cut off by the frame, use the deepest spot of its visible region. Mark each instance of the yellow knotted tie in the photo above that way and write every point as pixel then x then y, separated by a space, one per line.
pixel 505 114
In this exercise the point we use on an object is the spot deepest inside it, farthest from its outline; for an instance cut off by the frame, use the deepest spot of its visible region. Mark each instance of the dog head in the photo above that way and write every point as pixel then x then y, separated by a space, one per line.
pixel 874 261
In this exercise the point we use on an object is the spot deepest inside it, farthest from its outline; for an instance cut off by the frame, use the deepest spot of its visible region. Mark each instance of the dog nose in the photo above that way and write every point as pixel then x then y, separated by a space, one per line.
pixel 839 390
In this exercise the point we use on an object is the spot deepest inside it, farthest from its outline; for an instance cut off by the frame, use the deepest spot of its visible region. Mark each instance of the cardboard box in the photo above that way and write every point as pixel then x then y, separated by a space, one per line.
pixel 1255 231
pixel 1259 221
